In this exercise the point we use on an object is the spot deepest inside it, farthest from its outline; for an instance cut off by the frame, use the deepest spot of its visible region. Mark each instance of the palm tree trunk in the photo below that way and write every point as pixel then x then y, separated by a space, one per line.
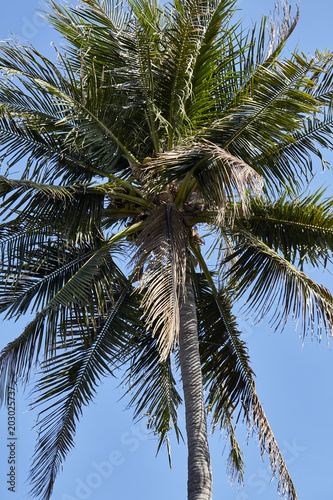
pixel 200 483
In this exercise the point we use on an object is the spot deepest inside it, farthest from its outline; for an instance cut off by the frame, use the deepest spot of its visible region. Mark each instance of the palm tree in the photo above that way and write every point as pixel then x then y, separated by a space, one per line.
pixel 158 124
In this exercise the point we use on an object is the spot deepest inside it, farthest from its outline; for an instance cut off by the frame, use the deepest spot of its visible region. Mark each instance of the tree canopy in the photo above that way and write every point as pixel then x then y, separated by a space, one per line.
pixel 156 125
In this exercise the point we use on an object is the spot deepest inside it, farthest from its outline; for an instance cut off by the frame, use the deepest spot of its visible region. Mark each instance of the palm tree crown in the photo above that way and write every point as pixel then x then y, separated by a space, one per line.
pixel 156 124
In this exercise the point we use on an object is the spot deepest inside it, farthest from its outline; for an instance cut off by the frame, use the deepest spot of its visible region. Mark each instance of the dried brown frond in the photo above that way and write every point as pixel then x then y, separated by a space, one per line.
pixel 257 420
pixel 161 258
pixel 281 25
pixel 223 180
pixel 237 179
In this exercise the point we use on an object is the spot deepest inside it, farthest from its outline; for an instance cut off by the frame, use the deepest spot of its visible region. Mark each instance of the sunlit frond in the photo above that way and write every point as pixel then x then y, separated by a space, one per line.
pixel 161 255
pixel 270 279
pixel 221 178
pixel 269 114
pixel 299 227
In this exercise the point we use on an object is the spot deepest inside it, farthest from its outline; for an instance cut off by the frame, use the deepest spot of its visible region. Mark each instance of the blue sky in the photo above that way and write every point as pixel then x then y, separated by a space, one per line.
pixel 115 459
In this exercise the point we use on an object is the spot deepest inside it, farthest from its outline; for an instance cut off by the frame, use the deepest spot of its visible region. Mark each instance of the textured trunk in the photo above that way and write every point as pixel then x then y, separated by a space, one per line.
pixel 200 484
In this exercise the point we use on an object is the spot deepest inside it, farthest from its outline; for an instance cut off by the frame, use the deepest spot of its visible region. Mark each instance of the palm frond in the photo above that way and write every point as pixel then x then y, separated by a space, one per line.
pixel 181 43
pixel 153 389
pixel 314 135
pixel 56 276
pixel 69 382
pixel 246 51
pixel 41 146
pixel 278 103
pixel 222 380
pixel 208 58
pixel 161 255
pixel 221 178
pixel 31 118
pixel 17 240
pixel 148 37
pixel 112 55
pixel 74 212
pixel 95 130
pixel 103 29
pixel 55 288
pixel 299 227
pixel 229 374
pixel 269 279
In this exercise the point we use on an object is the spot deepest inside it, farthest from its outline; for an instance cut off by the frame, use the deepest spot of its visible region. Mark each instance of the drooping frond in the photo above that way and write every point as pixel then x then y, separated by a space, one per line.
pixel 229 377
pixel 297 151
pixel 161 255
pixel 271 279
pixel 69 382
pixel 38 139
pixel 153 389
pixel 74 211
pixel 222 381
pixel 66 279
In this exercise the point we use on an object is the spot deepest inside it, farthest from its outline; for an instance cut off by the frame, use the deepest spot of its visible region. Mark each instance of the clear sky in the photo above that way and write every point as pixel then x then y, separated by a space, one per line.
pixel 114 459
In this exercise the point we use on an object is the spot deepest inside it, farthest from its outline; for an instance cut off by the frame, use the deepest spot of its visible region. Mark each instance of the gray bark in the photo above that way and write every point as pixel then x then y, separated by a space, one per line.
pixel 200 483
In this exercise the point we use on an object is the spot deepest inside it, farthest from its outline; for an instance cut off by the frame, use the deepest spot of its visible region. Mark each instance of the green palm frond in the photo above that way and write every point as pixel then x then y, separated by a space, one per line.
pixel 31 118
pixel 55 287
pixel 93 126
pixel 278 104
pixel 16 240
pixel 100 29
pixel 161 260
pixel 19 191
pixel 153 389
pixel 55 276
pixel 73 211
pixel 120 87
pixel 222 379
pixel 216 351
pixel 57 281
pixel 77 102
pixel 246 51
pixel 69 382
pixel 42 148
pixel 271 279
pixel 208 59
pixel 181 43
pixel 148 37
pixel 194 50
pixel 229 374
pixel 299 227
pixel 298 150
